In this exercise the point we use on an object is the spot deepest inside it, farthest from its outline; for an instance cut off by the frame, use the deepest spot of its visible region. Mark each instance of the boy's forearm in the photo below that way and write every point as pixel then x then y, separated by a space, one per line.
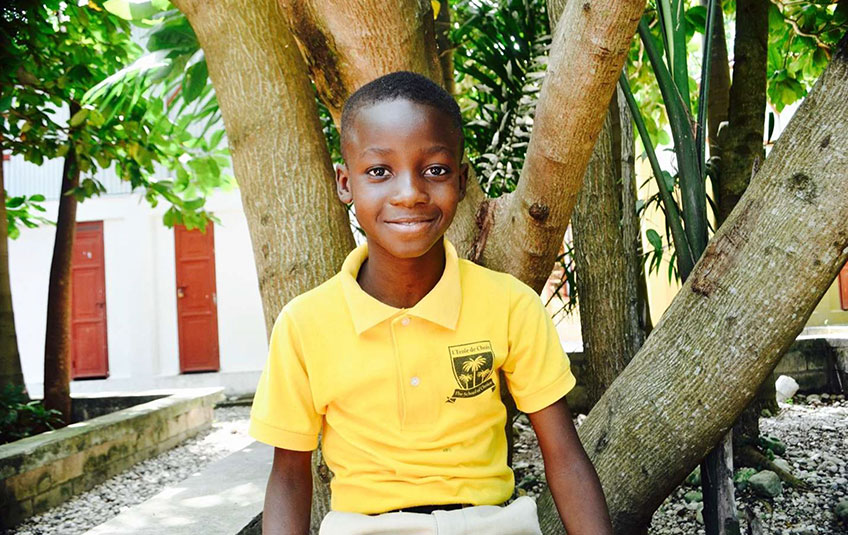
pixel 572 479
pixel 288 497
pixel 579 497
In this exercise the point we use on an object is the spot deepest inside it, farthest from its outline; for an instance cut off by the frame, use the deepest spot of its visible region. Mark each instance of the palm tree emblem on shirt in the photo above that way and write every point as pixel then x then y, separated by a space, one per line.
pixel 472 368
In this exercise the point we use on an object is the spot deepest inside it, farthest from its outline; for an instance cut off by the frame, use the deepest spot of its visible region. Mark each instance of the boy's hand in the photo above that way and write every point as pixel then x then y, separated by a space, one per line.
pixel 571 477
pixel 288 498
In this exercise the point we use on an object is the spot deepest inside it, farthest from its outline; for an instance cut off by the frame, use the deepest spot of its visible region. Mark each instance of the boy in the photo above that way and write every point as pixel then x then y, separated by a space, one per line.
pixel 396 359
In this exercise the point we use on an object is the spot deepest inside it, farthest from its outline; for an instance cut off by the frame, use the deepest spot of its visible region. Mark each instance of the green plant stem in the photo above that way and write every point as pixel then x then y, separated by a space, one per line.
pixel 692 188
pixel 681 243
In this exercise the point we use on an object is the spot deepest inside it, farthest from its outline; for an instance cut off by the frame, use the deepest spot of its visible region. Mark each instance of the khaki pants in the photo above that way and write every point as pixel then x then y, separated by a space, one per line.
pixel 517 518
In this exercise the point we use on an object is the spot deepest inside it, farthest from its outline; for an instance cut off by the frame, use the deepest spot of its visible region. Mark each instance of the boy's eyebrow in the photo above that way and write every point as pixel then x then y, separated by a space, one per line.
pixel 437 148
pixel 379 150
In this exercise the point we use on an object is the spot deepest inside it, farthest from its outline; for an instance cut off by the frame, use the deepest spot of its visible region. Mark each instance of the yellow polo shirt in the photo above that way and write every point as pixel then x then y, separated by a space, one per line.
pixel 408 400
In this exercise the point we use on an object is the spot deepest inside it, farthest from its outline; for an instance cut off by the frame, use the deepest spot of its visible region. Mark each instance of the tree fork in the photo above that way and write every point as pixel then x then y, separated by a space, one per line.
pixel 590 38
pixel 338 41
pixel 723 334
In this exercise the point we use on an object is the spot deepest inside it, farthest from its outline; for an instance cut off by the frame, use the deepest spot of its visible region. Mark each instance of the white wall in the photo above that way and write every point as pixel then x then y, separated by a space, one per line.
pixel 141 314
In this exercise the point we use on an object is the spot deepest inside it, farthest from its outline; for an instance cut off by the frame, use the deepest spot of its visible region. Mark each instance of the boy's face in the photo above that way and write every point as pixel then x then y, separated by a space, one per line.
pixel 404 174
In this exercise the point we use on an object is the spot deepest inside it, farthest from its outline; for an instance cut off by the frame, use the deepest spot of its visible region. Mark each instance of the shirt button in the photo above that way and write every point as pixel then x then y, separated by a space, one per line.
pixel 415 381
pixel 404 322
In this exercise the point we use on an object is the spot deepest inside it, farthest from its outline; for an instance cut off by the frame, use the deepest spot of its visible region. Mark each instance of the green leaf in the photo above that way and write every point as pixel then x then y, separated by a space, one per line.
pixel 195 81
pixel 654 239
pixel 135 9
pixel 78 118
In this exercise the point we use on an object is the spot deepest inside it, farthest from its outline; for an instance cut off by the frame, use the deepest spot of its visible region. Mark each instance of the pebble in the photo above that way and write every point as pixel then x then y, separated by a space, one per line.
pixel 815 433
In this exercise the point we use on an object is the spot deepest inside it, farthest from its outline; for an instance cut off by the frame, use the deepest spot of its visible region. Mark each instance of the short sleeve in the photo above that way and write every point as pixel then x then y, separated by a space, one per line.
pixel 283 412
pixel 537 370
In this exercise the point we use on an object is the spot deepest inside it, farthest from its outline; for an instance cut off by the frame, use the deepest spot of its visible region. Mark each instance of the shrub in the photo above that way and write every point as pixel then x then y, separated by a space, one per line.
pixel 20 417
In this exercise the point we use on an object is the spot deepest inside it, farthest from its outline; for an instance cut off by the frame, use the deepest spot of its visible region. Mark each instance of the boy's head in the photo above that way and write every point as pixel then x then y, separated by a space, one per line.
pixel 402 143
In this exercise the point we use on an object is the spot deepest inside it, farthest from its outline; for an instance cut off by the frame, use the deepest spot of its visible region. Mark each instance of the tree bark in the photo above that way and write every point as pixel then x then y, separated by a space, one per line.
pixel 348 44
pixel 607 265
pixel 727 327
pixel 520 233
pixel 10 359
pixel 719 493
pixel 444 46
pixel 299 230
pixel 718 94
pixel 57 343
pixel 742 141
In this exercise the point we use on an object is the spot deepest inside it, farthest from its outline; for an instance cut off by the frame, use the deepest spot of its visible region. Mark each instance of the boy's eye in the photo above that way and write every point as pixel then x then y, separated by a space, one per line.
pixel 378 172
pixel 437 170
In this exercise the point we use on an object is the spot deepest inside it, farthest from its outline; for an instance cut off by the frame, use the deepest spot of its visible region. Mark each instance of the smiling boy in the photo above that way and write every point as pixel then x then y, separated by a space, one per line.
pixel 396 359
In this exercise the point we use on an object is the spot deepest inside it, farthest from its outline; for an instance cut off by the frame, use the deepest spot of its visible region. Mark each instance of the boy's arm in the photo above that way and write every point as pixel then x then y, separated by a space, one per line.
pixel 288 497
pixel 571 477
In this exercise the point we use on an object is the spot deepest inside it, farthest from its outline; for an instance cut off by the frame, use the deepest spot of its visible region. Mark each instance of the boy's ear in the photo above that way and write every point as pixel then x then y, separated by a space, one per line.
pixel 343 184
pixel 463 179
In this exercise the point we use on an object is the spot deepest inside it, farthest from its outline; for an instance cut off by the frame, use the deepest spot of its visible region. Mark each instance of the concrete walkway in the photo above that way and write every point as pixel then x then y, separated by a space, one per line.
pixel 222 499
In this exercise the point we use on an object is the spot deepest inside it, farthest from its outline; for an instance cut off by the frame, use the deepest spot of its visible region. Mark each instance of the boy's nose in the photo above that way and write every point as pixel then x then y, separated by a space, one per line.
pixel 409 190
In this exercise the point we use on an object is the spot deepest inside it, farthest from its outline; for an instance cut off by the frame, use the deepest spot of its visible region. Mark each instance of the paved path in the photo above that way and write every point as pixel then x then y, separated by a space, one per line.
pixel 220 500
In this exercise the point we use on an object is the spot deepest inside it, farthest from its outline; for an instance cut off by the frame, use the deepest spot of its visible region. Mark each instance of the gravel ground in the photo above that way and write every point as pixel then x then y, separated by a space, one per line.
pixel 144 480
pixel 814 431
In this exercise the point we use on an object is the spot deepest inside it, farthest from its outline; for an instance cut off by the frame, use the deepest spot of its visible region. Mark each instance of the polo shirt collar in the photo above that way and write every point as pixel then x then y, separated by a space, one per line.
pixel 441 305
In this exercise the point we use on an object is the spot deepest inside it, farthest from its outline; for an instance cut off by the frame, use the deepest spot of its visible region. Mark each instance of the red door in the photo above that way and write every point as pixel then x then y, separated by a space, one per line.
pixel 843 287
pixel 197 302
pixel 89 355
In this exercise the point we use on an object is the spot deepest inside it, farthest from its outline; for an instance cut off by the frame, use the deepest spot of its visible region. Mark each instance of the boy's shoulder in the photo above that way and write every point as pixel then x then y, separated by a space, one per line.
pixel 316 301
pixel 478 277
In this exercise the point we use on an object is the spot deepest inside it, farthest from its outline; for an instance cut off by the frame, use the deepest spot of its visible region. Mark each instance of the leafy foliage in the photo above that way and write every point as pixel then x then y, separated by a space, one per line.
pixel 802 36
pixel 500 56
pixel 23 210
pixel 53 53
pixel 20 418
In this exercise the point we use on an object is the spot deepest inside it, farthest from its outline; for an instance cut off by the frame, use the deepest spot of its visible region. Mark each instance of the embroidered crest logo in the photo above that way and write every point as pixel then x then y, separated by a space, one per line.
pixel 472 369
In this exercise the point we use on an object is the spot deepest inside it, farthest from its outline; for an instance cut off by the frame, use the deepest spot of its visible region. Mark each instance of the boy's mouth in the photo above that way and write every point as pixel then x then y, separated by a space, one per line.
pixel 410 223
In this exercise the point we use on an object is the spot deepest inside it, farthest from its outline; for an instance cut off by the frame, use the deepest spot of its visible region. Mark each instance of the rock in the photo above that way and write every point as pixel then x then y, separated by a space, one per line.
pixel 774 444
pixel 783 464
pixel 766 484
pixel 813 399
pixel 694 479
pixel 693 496
pixel 841 510
pixel 786 387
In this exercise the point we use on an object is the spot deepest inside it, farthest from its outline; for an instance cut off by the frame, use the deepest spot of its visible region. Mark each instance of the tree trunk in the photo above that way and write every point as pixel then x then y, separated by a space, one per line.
pixel 299 229
pixel 718 490
pixel 742 148
pixel 742 141
pixel 10 358
pixel 718 94
pixel 444 46
pixel 607 266
pixel 728 326
pixel 57 342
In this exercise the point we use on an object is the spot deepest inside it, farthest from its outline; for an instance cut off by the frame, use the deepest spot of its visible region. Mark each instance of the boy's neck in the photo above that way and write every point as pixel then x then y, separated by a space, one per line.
pixel 401 282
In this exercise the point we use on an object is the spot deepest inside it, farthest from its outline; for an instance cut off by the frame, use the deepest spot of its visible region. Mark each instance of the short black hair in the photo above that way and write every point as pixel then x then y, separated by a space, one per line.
pixel 407 86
